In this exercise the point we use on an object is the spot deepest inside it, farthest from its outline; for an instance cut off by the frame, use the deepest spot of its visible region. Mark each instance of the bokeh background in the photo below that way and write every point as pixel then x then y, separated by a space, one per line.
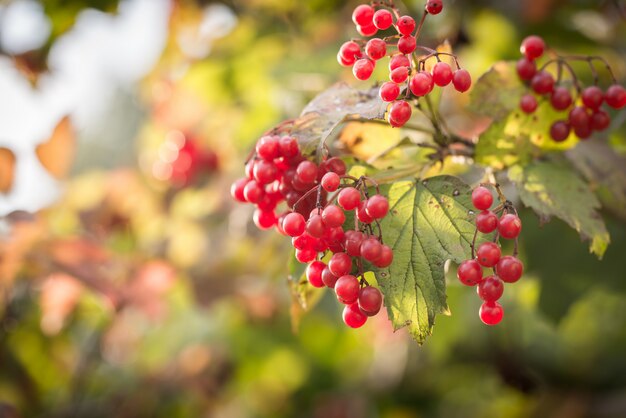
pixel 132 286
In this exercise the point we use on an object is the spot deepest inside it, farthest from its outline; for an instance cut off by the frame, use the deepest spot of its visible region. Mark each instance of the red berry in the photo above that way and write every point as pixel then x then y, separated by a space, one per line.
pixel 253 192
pixel 542 82
pixel 561 98
pixel 329 278
pixel 267 148
pixel 490 289
pixel 306 172
pixel 370 300
pixel 600 120
pixel 347 289
pixel 350 51
pixel 340 264
pixel 383 19
pixel 434 7
pixel 509 226
pixel 377 206
pixel 482 198
pixel 533 47
pixel 579 118
pixel 421 84
pixel 336 165
pixel 510 269
pixel 264 219
pixel 306 256
pixel 528 103
pixel 491 313
pixel 363 69
pixel 363 15
pixel 362 214
pixel 303 242
pixel 371 249
pixel 592 97
pixel 344 62
pixel 330 181
pixel 367 30
pixel 399 75
pixel 333 216
pixel 389 91
pixel 559 131
pixel 406 44
pixel 399 60
pixel 462 80
pixel 469 272
pixel 486 221
pixel 442 74
pixel 583 132
pixel 349 198
pixel 386 257
pixel 288 147
pixel 526 69
pixel 236 190
pixel 353 317
pixel 405 25
pixel 376 48
pixel 616 96
pixel 315 226
pixel 353 240
pixel 314 273
pixel 294 224
pixel 399 113
pixel 488 254
pixel 265 172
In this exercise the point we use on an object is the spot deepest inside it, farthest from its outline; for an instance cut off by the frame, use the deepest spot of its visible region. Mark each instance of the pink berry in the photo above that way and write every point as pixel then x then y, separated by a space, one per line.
pixel 406 25
pixel 491 313
pixel 363 15
pixel 406 44
pixel 314 273
pixel 350 51
pixel 399 60
pixel 363 69
pixel 294 224
pixel 330 181
pixel 353 317
pixel 389 91
pixel 377 206
pixel 349 198
pixel 399 75
pixel 376 48
pixel 399 113
pixel 383 19
pixel 333 216
pixel 421 84
pixel 347 289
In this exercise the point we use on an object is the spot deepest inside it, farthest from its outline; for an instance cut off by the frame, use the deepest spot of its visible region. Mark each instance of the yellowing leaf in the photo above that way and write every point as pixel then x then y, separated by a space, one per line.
pixel 57 153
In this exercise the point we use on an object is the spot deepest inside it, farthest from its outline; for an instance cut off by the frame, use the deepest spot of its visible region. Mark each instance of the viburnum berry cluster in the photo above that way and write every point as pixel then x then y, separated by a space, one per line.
pixel 583 104
pixel 407 71
pixel 507 269
pixel 316 199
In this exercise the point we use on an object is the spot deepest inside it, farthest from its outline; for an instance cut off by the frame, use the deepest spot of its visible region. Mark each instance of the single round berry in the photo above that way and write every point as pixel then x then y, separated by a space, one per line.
pixel 353 240
pixel 561 98
pixel 264 219
pixel 333 216
pixel 528 103
pixel 315 226
pixel 542 83
pixel 303 241
pixel 386 257
pixel 399 60
pixel 370 300
pixel 306 172
pixel 306 256
pixel 442 74
pixel 399 75
pixel 353 317
pixel 367 30
pixel 383 19
pixel 406 44
pixel 340 264
pixel 329 278
pixel 482 198
pixel 533 47
pixel 377 206
pixel 526 69
pixel 488 254
pixel 405 25
pixel 583 131
pixel 592 97
pixel 486 221
pixel 399 113
pixel 363 69
pixel 349 198
pixel 490 289
pixel 288 147
pixel 421 84
pixel 361 213
pixel 314 273
pixel 491 313
pixel 462 80
pixel 434 7
pixel 509 269
pixel 253 192
pixel 267 148
pixel 615 96
pixel 389 91
pixel 579 118
pixel 350 51
pixel 265 172
pixel 330 181
pixel 336 165
pixel 376 48
pixel 347 289
pixel 236 190
pixel 294 224
pixel 600 120
pixel 343 61
pixel 371 249
pixel 559 131
pixel 470 273
pixel 363 15
pixel 510 226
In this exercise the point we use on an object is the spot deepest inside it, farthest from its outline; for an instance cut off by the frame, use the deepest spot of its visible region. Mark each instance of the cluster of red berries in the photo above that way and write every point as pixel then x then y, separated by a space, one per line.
pixel 406 70
pixel 507 269
pixel 585 113
pixel 280 173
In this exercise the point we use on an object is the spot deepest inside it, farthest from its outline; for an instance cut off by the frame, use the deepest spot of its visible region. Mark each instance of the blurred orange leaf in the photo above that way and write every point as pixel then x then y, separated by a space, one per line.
pixel 57 153
pixel 7 169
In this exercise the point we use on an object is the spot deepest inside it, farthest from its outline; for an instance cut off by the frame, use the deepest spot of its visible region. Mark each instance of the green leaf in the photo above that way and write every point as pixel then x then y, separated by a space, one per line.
pixel 552 189
pixel 497 92
pixel 429 222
